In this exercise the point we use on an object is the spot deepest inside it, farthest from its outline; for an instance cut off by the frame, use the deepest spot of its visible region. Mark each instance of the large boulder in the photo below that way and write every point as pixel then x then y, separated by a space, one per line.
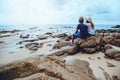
pixel 47 68
pixel 56 53
pixel 70 49
pixel 113 54
pixel 17 70
pixel 91 44
pixel 67 50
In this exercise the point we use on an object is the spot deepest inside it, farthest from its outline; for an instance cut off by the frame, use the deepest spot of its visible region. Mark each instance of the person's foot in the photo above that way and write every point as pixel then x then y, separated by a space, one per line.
pixel 72 44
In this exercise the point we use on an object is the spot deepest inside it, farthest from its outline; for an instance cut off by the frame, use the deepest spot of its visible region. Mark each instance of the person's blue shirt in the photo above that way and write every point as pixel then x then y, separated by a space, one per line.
pixel 83 30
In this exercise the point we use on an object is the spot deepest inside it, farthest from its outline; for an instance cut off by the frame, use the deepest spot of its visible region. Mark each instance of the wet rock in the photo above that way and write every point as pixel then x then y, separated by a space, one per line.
pixel 6 35
pixel 33 46
pixel 12 31
pixel 31 40
pixel 24 36
pixel 49 33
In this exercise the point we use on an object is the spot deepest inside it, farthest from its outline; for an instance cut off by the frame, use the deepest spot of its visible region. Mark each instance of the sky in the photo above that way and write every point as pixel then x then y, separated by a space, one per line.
pixel 59 11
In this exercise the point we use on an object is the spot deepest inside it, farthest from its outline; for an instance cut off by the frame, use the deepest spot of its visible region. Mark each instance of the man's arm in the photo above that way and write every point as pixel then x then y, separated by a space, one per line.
pixel 76 30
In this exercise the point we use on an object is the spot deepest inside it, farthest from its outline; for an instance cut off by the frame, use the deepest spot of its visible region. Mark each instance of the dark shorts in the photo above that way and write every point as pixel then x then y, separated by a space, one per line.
pixel 76 35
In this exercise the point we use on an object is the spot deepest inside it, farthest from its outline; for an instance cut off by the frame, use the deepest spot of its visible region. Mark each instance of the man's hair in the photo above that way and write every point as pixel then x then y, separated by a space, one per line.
pixel 81 19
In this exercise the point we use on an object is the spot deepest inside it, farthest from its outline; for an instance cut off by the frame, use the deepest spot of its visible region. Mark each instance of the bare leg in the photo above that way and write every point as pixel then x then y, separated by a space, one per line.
pixel 72 37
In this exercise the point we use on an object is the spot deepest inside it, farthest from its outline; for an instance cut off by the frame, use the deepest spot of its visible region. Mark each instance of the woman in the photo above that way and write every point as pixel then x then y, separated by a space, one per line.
pixel 90 26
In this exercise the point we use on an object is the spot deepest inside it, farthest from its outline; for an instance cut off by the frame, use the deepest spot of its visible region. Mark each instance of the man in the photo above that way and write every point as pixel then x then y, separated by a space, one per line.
pixel 83 30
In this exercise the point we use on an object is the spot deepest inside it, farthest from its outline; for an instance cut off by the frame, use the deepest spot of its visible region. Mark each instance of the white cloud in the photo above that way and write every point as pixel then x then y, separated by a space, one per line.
pixel 58 11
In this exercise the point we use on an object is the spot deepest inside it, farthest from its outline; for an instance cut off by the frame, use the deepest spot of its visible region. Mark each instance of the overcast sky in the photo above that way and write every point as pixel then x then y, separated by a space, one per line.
pixel 58 11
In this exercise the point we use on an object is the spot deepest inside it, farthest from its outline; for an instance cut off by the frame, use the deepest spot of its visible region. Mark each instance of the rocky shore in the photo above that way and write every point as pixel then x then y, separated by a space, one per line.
pixel 51 57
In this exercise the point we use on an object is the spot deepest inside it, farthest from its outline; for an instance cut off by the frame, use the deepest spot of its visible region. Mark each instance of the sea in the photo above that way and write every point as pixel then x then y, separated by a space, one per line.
pixel 51 27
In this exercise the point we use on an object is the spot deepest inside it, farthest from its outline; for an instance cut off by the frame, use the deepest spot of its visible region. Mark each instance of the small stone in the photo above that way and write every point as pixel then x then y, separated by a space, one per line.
pixel 98 57
pixel 110 64
pixel 49 44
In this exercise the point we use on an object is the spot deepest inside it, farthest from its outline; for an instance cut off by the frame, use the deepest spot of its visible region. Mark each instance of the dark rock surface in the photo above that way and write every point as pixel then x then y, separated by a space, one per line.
pixel 30 40
pixel 33 46
pixel 13 31
pixel 24 36
pixel 117 26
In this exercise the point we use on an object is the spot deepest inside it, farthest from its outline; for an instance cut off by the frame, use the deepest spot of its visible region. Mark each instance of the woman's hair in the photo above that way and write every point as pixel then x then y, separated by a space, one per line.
pixel 92 25
pixel 89 20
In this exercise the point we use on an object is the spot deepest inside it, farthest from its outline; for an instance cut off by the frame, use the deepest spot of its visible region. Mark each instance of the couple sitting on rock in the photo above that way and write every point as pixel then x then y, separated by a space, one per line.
pixel 86 29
